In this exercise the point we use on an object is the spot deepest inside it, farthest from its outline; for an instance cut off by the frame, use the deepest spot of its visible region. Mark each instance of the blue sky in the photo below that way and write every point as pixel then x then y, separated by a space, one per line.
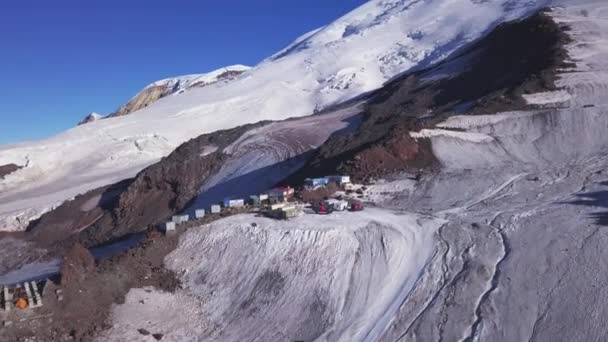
pixel 61 59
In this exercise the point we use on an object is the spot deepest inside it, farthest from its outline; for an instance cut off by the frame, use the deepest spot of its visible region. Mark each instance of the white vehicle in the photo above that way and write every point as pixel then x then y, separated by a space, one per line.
pixel 338 205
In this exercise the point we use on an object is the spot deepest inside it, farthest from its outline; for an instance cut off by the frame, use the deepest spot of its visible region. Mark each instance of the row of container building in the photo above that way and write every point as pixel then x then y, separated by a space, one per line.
pixel 321 181
pixel 275 195
pixel 276 198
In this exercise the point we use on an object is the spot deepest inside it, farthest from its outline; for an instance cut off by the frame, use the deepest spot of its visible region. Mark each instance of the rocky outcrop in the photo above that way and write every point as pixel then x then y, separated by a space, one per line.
pixel 90 118
pixel 7 169
pixel 143 99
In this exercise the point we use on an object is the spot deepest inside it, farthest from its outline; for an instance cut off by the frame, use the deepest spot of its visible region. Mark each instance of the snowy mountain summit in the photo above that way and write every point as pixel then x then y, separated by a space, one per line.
pixel 90 118
pixel 355 54
pixel 170 86
pixel 177 85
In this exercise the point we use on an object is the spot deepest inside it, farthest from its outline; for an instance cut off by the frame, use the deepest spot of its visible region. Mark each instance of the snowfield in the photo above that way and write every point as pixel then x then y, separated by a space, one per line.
pixel 351 56
pixel 334 278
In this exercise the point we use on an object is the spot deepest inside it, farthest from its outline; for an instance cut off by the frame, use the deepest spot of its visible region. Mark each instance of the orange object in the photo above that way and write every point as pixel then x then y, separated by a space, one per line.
pixel 21 303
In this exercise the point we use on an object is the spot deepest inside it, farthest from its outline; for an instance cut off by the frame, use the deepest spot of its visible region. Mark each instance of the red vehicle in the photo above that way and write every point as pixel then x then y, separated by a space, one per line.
pixel 323 208
pixel 356 206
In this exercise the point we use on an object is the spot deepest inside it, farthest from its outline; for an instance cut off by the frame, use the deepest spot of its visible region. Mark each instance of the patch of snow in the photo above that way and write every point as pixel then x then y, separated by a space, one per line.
pixel 457 135
pixel 549 97
pixel 176 316
pixel 208 150
pixel 471 122
pixel 91 203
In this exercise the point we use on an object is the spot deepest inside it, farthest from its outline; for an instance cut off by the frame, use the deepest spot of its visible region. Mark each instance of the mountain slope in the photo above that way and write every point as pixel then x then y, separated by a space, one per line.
pixel 504 241
pixel 351 56
pixel 520 256
pixel 252 158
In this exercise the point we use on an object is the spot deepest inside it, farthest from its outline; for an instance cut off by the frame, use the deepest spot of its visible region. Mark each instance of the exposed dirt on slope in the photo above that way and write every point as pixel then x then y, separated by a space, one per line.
pixel 502 67
pixel 89 289
pixel 78 263
pixel 7 169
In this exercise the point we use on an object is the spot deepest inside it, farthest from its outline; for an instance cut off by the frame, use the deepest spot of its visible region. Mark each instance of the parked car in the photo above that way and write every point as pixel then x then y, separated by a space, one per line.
pixel 323 208
pixel 356 206
pixel 338 205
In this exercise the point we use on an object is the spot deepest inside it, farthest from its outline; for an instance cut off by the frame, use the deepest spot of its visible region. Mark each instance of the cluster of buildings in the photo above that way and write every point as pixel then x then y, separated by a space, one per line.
pixel 314 183
pixel 274 196
pixel 274 202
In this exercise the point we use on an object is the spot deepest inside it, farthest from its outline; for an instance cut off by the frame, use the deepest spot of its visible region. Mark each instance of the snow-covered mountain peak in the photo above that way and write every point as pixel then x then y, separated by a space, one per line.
pixel 90 118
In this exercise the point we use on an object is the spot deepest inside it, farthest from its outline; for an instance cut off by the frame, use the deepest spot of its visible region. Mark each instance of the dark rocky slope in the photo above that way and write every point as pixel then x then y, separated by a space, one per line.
pixel 132 205
pixel 500 68
pixel 7 169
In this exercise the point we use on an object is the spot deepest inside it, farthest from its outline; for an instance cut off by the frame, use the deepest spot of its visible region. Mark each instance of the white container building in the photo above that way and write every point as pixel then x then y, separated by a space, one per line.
pixel 339 179
pixel 169 227
pixel 234 203
pixel 179 219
